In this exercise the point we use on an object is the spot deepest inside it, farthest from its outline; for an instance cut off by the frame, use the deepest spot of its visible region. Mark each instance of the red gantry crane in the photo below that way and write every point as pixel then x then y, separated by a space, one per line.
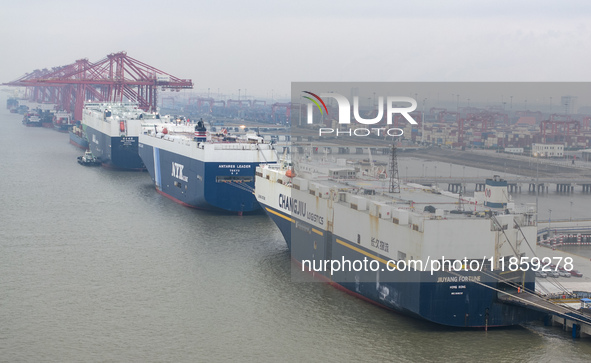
pixel 115 78
pixel 559 128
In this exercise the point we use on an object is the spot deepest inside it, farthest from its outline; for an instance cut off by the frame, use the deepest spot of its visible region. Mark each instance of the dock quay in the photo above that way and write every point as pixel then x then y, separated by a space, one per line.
pixel 576 321
pixel 566 300
pixel 555 233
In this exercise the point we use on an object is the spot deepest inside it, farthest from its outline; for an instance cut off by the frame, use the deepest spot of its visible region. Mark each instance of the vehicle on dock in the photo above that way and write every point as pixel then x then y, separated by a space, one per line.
pixel 575 273
pixel 541 274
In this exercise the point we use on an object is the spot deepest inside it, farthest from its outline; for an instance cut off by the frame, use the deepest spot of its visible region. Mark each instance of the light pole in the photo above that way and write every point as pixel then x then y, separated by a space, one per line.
pixel 571 210
pixel 423 122
pixel 549 220
pixel 450 170
pixel 537 186
pixel 300 121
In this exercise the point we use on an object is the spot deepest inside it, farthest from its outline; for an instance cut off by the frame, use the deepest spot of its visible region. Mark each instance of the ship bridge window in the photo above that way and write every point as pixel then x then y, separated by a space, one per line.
pixel 233 179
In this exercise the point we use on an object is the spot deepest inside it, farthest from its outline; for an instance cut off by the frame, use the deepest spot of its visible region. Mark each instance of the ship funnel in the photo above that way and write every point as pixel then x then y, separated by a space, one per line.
pixel 495 192
pixel 200 132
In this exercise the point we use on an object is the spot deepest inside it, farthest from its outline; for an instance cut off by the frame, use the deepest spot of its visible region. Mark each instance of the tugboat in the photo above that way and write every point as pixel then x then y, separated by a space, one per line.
pixel 32 119
pixel 88 159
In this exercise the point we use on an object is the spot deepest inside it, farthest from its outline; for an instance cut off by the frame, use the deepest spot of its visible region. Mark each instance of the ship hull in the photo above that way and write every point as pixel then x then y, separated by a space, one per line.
pixel 61 127
pixel 199 184
pixel 78 141
pixel 32 123
pixel 444 298
pixel 115 152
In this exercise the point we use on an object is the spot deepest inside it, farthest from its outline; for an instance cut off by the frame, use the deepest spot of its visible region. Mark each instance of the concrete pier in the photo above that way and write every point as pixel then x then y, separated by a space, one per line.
pixel 514 185
pixel 569 188
pixel 456 188
pixel 569 318
pixel 581 330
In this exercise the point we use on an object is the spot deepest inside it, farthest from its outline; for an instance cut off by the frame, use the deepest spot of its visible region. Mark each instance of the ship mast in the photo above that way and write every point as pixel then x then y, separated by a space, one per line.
pixel 460 205
pixel 394 180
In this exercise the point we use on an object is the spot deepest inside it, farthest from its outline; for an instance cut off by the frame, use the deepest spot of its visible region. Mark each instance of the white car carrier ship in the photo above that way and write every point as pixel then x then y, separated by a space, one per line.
pixel 332 212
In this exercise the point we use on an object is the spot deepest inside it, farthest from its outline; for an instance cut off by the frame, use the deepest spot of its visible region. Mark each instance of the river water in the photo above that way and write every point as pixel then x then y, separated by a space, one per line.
pixel 97 266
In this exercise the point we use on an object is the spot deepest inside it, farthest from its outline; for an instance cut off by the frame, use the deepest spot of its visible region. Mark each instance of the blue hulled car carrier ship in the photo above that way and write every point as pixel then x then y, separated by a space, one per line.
pixel 202 170
pixel 112 130
pixel 339 212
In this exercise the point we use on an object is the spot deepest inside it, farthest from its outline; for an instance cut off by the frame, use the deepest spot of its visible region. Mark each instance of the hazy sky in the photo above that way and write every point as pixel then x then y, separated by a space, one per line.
pixel 264 45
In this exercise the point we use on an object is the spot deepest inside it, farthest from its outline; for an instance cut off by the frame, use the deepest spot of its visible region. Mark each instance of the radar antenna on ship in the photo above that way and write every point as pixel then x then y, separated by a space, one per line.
pixel 394 180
